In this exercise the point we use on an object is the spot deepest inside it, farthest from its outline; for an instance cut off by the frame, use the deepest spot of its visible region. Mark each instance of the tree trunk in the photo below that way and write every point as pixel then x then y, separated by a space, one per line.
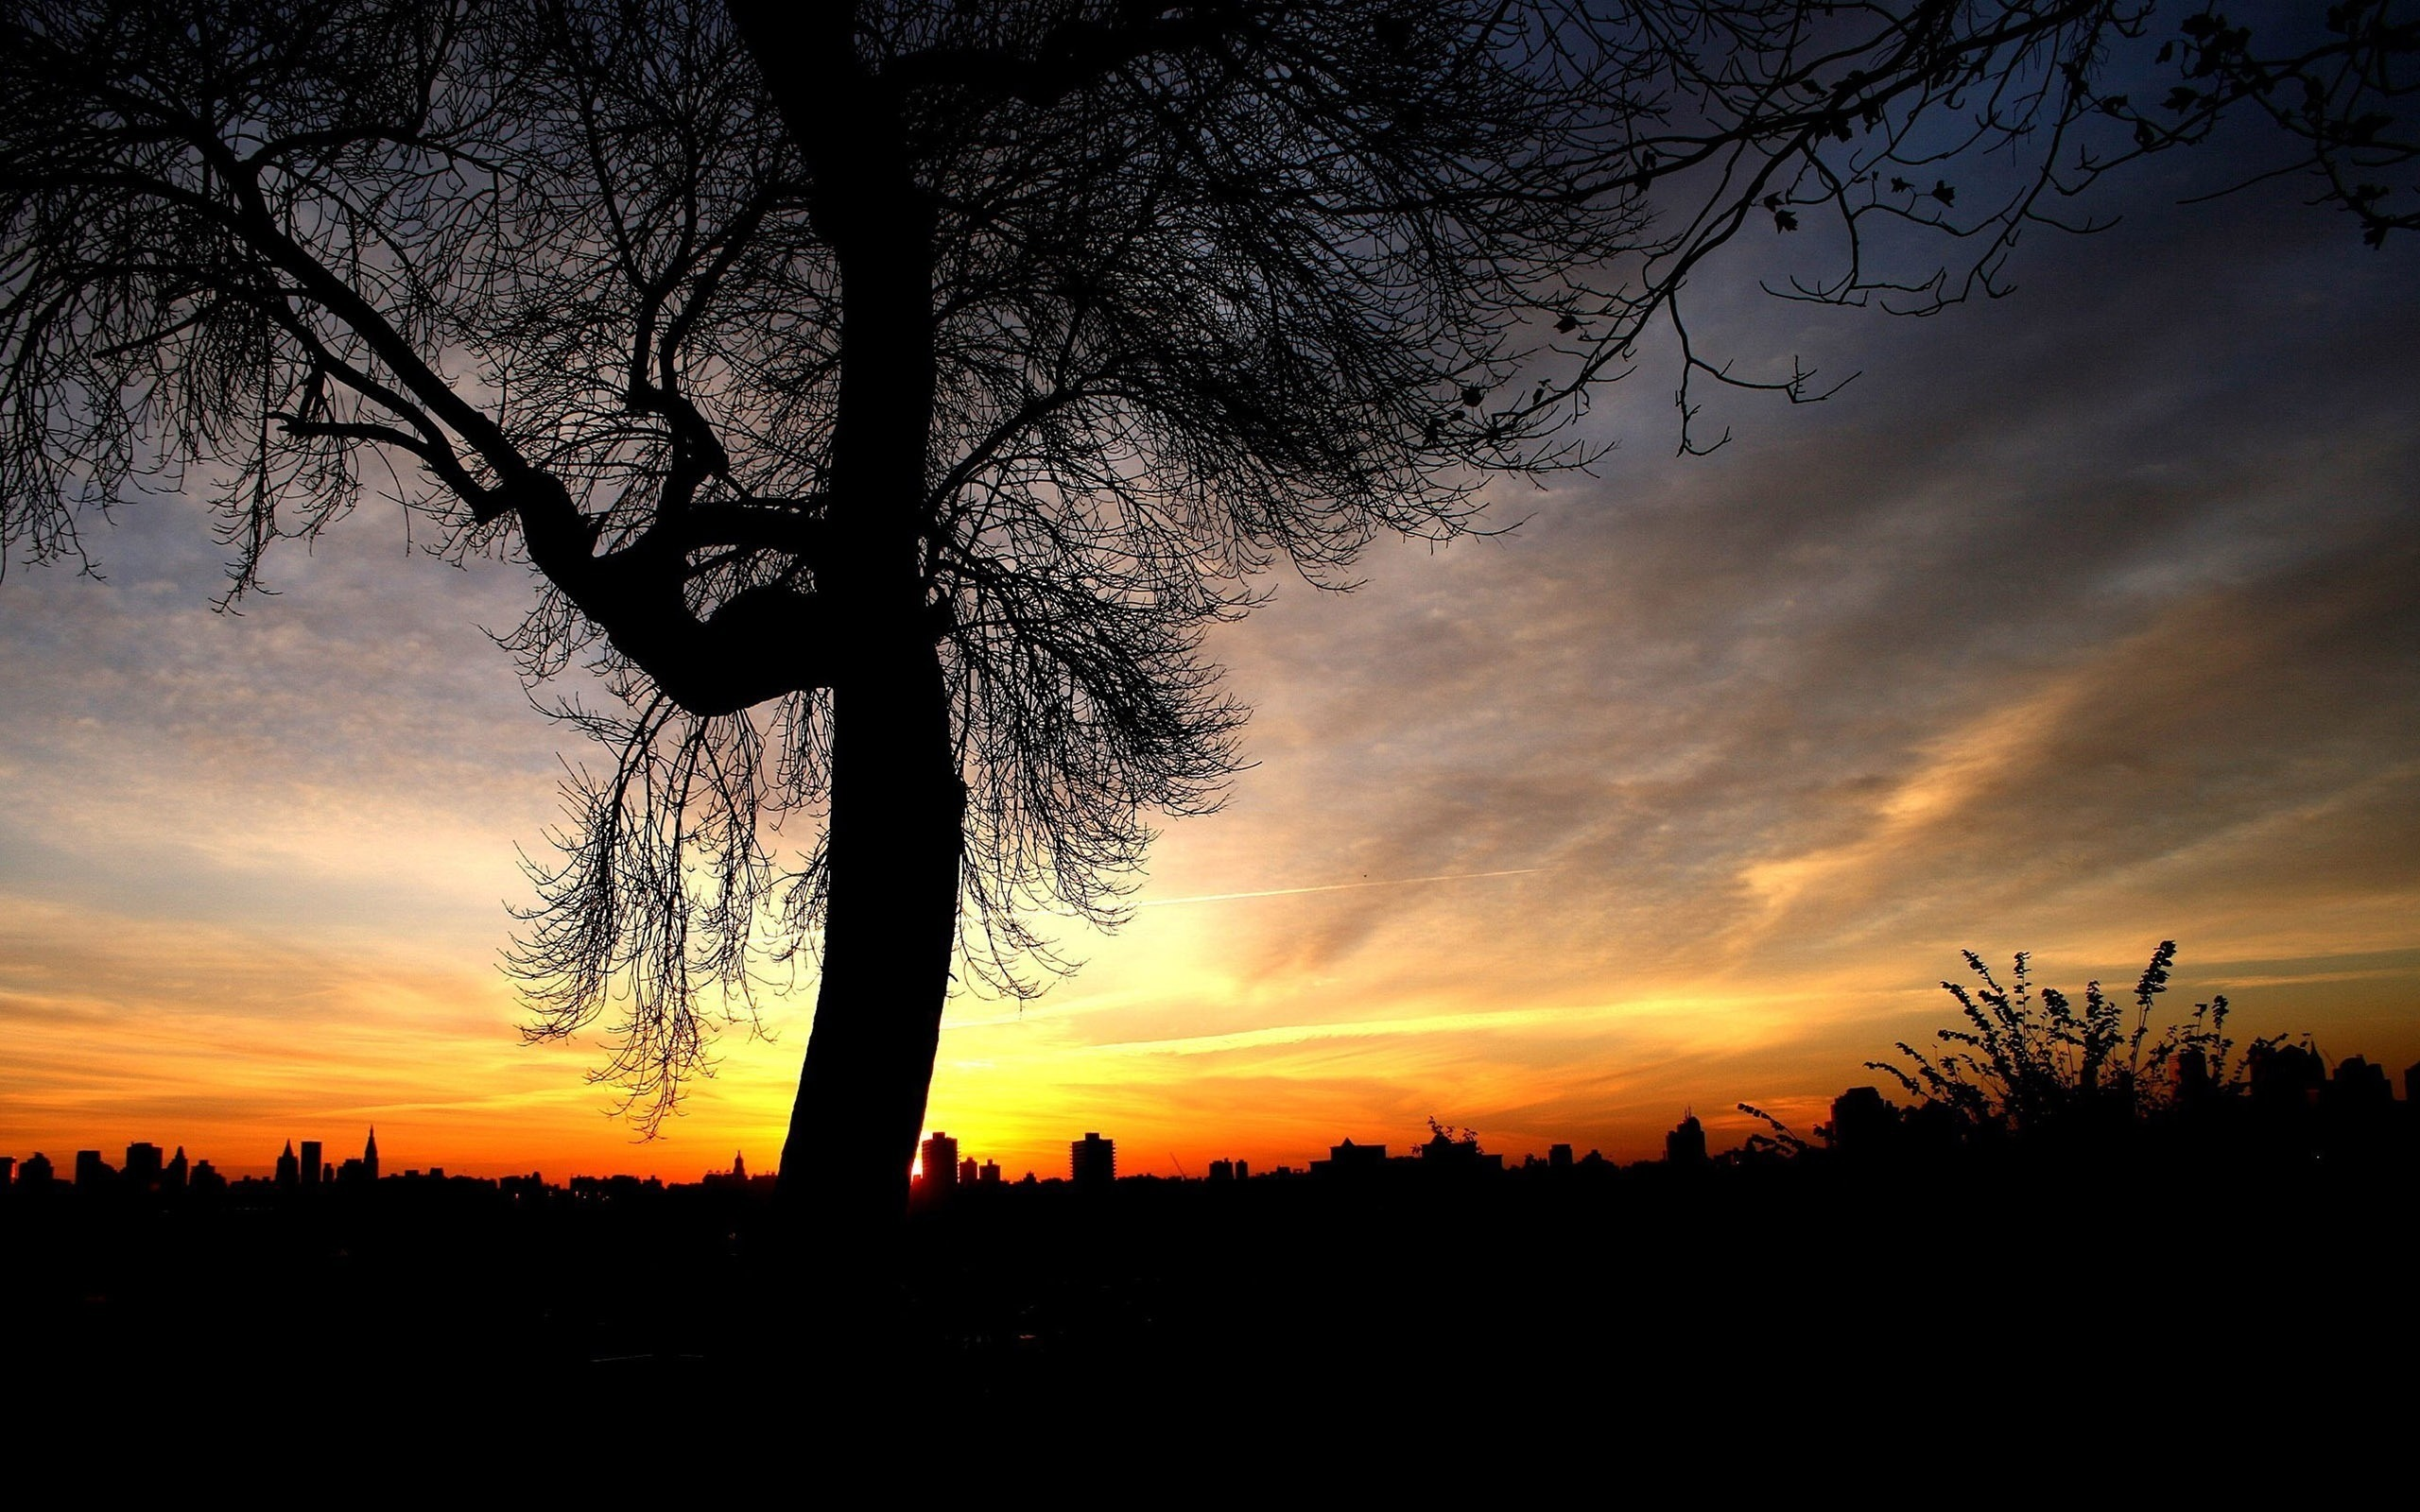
pixel 897 805
pixel 897 809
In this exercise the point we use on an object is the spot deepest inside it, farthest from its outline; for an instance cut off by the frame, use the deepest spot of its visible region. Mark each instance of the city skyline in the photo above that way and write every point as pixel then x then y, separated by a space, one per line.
pixel 2080 621
pixel 944 1161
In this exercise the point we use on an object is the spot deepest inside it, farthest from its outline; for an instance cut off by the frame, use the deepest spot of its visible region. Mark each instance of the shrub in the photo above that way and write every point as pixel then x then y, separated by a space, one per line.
pixel 2030 1060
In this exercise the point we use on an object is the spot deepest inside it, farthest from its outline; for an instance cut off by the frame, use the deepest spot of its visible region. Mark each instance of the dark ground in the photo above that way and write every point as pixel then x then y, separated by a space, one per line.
pixel 2006 1306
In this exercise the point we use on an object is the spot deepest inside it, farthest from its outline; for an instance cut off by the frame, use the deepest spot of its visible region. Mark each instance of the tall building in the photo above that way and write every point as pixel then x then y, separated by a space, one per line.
pixel 1864 1121
pixel 92 1172
pixel 2360 1084
pixel 1686 1145
pixel 310 1161
pixel 370 1156
pixel 288 1174
pixel 940 1163
pixel 1092 1161
pixel 142 1165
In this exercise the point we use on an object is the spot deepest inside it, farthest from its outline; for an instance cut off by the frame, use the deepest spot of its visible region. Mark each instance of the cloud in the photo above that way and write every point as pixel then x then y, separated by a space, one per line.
pixel 2080 621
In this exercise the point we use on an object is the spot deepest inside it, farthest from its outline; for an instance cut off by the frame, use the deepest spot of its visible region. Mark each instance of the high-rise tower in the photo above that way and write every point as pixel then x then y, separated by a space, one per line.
pixel 940 1163
pixel 1092 1161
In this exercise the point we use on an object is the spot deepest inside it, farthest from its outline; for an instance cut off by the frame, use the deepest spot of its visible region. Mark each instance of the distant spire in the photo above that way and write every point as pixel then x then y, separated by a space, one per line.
pixel 738 1167
pixel 290 1149
pixel 369 1151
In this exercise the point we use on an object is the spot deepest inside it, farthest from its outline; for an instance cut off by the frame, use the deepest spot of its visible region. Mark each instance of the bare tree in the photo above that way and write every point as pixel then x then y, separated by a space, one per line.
pixel 888 396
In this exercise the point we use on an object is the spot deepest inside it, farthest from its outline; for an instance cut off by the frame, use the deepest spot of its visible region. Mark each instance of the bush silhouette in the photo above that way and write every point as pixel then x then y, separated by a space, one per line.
pixel 2032 1059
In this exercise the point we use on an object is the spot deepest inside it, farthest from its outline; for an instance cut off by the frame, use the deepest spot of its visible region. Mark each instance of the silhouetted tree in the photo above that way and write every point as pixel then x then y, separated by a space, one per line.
pixel 2030 1060
pixel 888 395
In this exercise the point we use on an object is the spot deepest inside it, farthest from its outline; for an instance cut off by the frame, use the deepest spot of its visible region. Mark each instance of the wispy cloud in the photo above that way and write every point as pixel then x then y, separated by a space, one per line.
pixel 1337 887
pixel 2081 621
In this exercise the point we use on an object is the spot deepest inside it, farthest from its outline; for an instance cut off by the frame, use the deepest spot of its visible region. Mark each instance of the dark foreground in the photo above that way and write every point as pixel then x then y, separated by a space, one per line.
pixel 2035 1301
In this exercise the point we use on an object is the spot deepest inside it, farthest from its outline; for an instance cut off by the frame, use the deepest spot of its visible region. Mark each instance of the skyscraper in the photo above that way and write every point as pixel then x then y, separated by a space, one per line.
pixel 1686 1145
pixel 142 1165
pixel 288 1172
pixel 940 1163
pixel 1092 1161
pixel 370 1155
pixel 310 1163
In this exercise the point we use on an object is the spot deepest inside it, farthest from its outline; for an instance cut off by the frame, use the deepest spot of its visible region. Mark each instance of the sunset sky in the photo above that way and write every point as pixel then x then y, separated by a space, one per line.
pixel 2080 621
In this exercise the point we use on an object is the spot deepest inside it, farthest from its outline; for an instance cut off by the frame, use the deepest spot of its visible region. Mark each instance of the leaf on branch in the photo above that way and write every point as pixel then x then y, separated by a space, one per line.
pixel 1785 220
pixel 1944 192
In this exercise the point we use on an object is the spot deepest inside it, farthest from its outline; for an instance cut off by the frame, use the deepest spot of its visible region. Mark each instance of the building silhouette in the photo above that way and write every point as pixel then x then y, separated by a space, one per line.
pixel 2286 1075
pixel 1686 1145
pixel 2191 1076
pixel 1863 1121
pixel 1092 1161
pixel 1444 1155
pixel 92 1172
pixel 370 1156
pixel 144 1169
pixel 310 1161
pixel 940 1163
pixel 1349 1161
pixel 288 1174
pixel 37 1172
pixel 2360 1085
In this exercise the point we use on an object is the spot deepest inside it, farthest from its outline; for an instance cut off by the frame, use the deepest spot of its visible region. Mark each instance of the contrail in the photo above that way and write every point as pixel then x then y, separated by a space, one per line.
pixel 1335 886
